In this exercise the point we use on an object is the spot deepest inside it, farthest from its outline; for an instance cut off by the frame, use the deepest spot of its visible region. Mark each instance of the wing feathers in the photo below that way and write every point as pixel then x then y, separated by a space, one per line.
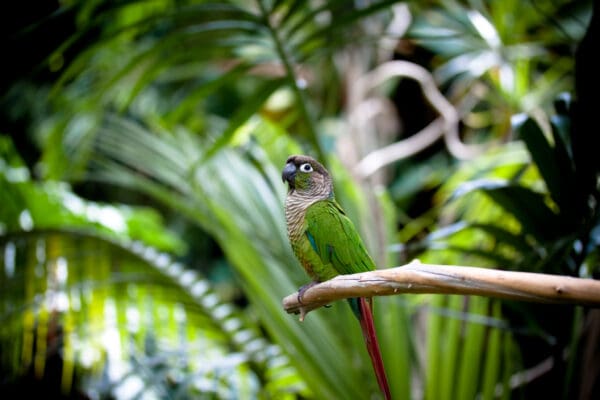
pixel 334 238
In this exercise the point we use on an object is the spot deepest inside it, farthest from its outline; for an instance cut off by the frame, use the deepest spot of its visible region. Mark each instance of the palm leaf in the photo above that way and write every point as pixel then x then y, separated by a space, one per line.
pixel 80 275
pixel 111 303
pixel 229 198
pixel 552 161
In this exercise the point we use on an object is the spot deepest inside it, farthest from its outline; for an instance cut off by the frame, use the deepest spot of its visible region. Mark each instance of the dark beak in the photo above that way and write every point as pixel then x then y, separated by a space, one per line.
pixel 288 174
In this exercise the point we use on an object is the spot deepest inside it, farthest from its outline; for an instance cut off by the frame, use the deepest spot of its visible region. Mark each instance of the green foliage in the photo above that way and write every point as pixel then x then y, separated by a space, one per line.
pixel 497 58
pixel 240 205
pixel 548 209
pixel 528 217
pixel 130 321
pixel 188 109
pixel 29 205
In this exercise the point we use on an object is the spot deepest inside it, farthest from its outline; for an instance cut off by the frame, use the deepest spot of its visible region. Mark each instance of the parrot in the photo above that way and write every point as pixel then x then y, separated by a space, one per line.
pixel 326 243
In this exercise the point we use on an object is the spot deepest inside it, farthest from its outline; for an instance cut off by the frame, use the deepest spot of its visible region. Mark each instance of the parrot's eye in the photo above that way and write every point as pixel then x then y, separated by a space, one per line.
pixel 306 167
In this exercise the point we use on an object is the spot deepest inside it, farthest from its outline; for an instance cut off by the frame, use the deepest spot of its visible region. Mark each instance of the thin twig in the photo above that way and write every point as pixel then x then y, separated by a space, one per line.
pixel 430 278
pixel 301 100
pixel 445 125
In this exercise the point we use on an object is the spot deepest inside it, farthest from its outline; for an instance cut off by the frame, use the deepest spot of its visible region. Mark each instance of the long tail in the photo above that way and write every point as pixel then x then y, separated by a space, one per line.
pixel 362 308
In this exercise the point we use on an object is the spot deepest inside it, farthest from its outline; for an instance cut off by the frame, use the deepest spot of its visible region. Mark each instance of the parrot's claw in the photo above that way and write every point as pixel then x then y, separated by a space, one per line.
pixel 304 311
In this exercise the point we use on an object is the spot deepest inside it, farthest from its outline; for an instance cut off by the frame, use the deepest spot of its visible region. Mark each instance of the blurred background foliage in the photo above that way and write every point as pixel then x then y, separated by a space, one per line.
pixel 143 251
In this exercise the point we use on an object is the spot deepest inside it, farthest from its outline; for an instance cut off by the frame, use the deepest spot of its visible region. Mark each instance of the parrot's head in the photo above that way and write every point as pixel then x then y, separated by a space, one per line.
pixel 307 176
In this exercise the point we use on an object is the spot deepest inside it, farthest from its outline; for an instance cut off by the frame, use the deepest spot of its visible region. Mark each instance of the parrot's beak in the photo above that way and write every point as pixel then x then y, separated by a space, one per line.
pixel 288 174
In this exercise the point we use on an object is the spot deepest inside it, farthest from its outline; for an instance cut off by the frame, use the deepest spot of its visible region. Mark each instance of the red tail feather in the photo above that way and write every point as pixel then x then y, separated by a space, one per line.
pixel 368 330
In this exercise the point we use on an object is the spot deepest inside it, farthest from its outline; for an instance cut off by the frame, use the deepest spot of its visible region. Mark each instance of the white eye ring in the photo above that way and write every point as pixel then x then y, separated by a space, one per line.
pixel 306 167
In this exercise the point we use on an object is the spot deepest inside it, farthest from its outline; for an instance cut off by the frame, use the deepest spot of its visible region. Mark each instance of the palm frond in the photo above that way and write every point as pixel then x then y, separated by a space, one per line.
pixel 229 197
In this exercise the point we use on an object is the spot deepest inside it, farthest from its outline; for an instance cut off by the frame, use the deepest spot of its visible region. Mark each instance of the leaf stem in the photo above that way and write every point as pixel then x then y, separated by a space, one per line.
pixel 293 81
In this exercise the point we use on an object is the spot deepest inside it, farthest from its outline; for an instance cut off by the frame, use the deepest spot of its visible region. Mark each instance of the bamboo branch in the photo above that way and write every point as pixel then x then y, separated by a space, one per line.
pixel 417 277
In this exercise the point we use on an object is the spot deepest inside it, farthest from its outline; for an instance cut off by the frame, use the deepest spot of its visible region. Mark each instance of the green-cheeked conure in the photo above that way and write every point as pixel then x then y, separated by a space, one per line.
pixel 326 242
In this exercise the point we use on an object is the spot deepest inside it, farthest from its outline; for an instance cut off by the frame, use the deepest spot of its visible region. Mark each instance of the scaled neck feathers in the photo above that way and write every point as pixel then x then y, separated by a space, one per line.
pixel 298 201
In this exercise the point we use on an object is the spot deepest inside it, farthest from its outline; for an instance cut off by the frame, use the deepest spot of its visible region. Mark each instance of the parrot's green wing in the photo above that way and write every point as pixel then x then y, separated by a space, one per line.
pixel 336 242
pixel 334 238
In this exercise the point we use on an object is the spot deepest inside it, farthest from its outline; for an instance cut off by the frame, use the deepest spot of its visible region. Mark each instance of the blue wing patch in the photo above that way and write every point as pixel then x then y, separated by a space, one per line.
pixel 311 239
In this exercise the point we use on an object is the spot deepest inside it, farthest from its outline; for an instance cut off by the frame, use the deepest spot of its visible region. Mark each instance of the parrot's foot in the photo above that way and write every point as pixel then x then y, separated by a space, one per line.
pixel 303 289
